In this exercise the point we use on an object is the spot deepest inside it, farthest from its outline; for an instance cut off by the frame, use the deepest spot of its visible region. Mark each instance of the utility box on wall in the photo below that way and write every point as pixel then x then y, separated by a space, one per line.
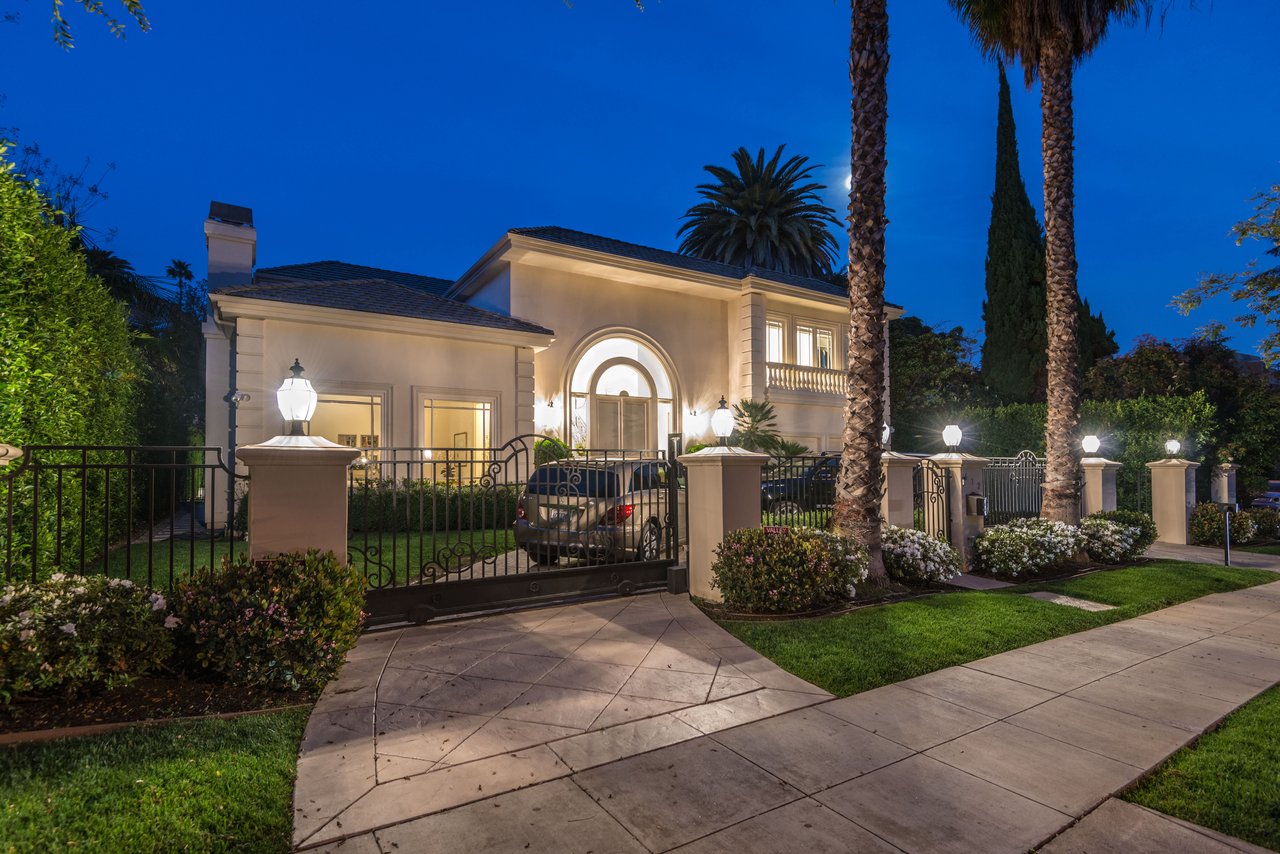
pixel 975 505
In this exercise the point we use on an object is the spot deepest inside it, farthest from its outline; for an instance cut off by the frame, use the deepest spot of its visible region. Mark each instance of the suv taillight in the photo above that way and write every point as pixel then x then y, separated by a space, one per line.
pixel 619 514
pixel 520 509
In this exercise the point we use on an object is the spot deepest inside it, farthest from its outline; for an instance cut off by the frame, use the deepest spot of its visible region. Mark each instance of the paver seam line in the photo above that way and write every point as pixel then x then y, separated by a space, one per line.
pixel 603 809
pixel 311 842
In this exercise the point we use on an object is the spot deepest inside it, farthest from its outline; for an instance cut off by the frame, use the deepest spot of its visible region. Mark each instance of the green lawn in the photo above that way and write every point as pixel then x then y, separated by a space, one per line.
pixel 1228 780
pixel 195 786
pixel 880 645
pixel 1261 550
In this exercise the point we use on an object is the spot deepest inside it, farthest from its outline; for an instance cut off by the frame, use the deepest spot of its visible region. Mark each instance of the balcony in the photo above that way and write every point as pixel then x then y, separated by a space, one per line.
pixel 802 378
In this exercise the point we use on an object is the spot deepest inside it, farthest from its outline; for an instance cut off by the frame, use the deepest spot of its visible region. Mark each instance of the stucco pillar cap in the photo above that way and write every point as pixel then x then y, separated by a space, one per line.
pixel 8 453
pixel 297 451
pixel 1173 464
pixel 1227 466
pixel 957 458
pixel 724 456
pixel 1100 463
pixel 895 457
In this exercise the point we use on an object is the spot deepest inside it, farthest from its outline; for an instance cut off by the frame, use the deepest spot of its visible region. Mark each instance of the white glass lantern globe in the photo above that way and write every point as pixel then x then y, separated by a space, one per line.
pixel 722 422
pixel 951 436
pixel 886 433
pixel 1091 444
pixel 1172 447
pixel 296 399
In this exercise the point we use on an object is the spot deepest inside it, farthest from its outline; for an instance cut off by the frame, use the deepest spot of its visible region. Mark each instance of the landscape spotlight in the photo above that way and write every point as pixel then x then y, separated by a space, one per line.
pixel 296 399
pixel 1172 447
pixel 722 422
pixel 1090 444
pixel 951 436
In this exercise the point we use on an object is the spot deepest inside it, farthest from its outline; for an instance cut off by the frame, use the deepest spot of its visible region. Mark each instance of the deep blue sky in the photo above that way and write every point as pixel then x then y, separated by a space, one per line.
pixel 413 138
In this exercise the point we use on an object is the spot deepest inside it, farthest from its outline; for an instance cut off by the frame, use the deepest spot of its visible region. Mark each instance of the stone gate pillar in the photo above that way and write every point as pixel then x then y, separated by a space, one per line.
pixel 1173 497
pixel 1223 483
pixel 966 500
pixel 897 504
pixel 1099 493
pixel 723 496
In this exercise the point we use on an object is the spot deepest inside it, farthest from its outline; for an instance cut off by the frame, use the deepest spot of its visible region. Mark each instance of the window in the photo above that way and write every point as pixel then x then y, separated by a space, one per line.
pixel 457 423
pixel 354 420
pixel 774 340
pixel 826 349
pixel 804 346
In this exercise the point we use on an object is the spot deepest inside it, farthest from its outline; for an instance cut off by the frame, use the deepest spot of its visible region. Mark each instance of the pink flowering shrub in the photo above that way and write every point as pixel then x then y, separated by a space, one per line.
pixel 68 635
pixel 285 622
pixel 785 570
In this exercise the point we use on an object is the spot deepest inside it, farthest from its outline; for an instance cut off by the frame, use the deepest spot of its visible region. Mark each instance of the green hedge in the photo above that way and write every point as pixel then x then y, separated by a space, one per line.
pixel 67 367
pixel 414 505
pixel 1133 433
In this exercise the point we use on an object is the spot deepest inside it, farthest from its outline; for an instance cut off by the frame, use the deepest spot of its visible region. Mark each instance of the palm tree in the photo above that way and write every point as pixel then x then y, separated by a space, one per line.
pixel 1050 37
pixel 858 487
pixel 763 215
pixel 755 426
pixel 180 272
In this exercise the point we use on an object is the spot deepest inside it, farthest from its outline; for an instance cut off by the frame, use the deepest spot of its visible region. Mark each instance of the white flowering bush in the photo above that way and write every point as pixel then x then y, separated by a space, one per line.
pixel 1027 546
pixel 1109 541
pixel 69 634
pixel 914 556
pixel 781 570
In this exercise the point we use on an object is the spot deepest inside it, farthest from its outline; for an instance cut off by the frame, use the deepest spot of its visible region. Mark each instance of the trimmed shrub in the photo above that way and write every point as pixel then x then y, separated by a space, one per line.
pixel 913 556
pixel 389 507
pixel 787 570
pixel 1208 525
pixel 1108 541
pixel 1133 518
pixel 1268 521
pixel 68 635
pixel 281 623
pixel 549 449
pixel 1027 546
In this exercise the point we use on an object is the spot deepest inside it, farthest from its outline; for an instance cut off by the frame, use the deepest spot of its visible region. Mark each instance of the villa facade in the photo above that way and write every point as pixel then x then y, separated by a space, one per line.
pixel 603 343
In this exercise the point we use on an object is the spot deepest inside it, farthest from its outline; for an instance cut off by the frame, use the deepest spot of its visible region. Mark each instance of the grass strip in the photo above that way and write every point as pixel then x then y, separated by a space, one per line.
pixel 212 785
pixel 1227 781
pixel 888 643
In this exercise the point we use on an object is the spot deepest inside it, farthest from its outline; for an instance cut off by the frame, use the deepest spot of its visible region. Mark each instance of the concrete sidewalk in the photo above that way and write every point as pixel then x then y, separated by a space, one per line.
pixel 1001 754
pixel 1212 554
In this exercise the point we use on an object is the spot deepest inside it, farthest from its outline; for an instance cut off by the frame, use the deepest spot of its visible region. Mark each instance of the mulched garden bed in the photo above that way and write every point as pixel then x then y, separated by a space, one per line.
pixel 147 698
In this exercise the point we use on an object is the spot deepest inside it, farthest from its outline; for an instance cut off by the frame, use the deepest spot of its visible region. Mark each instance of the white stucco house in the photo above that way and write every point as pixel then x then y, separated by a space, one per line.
pixel 598 341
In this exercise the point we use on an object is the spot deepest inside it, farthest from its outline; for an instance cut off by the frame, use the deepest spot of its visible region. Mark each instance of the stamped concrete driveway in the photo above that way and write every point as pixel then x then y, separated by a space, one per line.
pixel 999 755
pixel 428 718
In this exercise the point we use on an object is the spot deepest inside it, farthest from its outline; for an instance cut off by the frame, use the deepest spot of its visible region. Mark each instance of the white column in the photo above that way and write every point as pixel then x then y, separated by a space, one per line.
pixel 1223 483
pixel 897 505
pixel 1099 485
pixel 1173 497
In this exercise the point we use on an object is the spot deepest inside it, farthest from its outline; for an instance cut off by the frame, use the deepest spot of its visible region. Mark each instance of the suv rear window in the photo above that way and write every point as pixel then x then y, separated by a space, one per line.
pixel 574 481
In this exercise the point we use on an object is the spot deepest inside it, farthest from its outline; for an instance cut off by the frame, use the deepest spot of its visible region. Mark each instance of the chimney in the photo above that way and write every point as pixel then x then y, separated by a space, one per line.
pixel 232 242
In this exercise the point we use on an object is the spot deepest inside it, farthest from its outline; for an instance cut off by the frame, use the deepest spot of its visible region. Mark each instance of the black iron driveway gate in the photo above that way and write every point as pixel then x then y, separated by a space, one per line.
pixel 444 531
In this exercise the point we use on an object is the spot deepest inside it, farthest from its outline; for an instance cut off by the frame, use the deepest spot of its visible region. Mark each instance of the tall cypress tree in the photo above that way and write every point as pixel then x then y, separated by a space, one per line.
pixel 1013 351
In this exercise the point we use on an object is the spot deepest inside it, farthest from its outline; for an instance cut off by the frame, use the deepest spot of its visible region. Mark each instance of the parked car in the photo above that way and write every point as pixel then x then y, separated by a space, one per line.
pixel 800 485
pixel 597 510
pixel 1267 499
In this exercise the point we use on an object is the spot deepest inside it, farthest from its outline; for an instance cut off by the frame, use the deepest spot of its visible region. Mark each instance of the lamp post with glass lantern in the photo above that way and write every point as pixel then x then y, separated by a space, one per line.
pixel 297 399
pixel 722 422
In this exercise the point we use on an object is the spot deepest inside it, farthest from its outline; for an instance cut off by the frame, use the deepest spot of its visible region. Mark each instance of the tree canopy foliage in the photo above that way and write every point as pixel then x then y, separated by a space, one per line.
pixel 1257 286
pixel 762 213
pixel 133 9
pixel 931 374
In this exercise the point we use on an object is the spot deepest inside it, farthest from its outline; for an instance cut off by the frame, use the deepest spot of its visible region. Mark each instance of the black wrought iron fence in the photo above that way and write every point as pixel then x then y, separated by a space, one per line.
pixel 931 499
pixel 429 515
pixel 123 511
pixel 1013 486
pixel 799 491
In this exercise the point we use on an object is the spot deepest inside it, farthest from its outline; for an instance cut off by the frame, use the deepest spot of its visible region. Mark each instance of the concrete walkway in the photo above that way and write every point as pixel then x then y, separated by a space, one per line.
pixel 1002 754
pixel 1212 554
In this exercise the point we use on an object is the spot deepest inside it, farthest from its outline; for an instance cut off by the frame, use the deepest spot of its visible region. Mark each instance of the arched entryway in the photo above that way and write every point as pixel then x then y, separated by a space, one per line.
pixel 621 395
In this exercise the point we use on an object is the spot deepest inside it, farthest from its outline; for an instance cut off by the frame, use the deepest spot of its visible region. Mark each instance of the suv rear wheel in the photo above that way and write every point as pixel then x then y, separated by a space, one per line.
pixel 650 543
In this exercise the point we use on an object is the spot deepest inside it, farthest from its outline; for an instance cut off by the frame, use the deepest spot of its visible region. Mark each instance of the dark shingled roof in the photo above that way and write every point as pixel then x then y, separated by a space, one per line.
pixel 609 246
pixel 380 297
pixel 341 271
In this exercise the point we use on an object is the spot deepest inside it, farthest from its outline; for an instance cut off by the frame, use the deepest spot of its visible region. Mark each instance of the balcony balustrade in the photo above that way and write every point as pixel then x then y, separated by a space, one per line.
pixel 802 378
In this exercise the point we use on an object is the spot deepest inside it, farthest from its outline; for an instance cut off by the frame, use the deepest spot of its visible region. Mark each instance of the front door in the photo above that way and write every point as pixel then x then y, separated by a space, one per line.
pixel 620 422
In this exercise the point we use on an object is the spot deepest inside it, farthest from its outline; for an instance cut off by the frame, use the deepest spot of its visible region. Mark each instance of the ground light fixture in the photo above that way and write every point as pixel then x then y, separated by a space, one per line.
pixel 297 400
pixel 722 422
pixel 1091 444
pixel 1172 447
pixel 951 436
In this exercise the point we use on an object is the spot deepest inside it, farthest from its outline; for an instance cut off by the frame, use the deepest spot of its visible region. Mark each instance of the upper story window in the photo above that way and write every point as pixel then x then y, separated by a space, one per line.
pixel 825 349
pixel 815 347
pixel 774 339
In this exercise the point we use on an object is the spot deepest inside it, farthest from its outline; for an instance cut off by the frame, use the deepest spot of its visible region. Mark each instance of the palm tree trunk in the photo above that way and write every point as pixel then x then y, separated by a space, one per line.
pixel 857 506
pixel 1062 467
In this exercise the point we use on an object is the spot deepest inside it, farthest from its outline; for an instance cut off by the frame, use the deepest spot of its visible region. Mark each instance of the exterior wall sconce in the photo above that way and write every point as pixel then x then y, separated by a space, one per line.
pixel 722 422
pixel 951 436
pixel 297 400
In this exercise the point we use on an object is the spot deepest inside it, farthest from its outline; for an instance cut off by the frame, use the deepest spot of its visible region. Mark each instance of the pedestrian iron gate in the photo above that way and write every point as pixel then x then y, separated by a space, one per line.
pixel 441 531
pixel 931 499
pixel 1014 487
